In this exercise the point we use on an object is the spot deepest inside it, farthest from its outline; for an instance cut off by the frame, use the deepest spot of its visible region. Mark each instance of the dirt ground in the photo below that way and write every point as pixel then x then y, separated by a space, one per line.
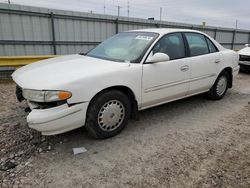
pixel 193 142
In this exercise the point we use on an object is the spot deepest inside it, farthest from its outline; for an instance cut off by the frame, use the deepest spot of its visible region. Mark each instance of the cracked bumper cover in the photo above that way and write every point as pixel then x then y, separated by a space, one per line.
pixel 58 119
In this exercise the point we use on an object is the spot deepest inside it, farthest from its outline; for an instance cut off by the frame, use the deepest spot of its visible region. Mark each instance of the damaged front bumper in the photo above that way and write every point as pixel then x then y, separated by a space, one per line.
pixel 56 120
pixel 54 117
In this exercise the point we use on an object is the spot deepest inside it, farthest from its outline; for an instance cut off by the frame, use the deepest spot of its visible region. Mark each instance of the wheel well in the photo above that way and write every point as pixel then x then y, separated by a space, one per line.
pixel 129 93
pixel 230 74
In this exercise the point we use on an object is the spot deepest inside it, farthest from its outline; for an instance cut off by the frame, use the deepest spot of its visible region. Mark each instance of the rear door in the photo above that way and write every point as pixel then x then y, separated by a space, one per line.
pixel 205 62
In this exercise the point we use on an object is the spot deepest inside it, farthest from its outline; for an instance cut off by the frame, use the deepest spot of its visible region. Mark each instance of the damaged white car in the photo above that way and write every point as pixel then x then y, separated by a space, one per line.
pixel 126 73
pixel 245 57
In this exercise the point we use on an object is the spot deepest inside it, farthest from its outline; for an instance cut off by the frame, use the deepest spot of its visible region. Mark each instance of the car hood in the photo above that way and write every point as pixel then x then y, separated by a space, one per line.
pixel 244 51
pixel 55 72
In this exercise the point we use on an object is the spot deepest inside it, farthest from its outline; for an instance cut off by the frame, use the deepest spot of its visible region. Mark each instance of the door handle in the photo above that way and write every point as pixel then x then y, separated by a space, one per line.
pixel 217 61
pixel 184 68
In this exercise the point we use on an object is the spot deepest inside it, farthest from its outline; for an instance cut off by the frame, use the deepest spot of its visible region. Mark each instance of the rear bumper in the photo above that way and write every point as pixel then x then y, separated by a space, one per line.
pixel 59 119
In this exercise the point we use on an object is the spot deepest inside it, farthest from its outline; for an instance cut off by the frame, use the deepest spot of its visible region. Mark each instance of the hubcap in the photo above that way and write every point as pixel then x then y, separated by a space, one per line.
pixel 221 86
pixel 111 115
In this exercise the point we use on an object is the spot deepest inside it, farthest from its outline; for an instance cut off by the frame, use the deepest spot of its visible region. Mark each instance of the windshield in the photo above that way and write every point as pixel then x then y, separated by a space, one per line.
pixel 127 46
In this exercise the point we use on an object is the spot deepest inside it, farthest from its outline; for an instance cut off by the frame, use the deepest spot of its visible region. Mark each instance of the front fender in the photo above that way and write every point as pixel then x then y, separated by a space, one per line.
pixel 83 90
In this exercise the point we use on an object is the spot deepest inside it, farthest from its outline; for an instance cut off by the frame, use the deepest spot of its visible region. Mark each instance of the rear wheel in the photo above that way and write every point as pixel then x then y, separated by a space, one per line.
pixel 108 114
pixel 220 87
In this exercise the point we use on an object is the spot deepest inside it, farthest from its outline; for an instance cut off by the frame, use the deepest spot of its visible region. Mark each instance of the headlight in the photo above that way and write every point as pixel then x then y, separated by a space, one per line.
pixel 45 96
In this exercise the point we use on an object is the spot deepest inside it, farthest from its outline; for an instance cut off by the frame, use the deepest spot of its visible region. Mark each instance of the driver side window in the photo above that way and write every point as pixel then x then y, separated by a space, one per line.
pixel 172 45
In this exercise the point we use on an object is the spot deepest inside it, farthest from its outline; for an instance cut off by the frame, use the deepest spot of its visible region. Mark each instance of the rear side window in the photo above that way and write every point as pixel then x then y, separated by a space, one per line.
pixel 172 45
pixel 212 48
pixel 197 44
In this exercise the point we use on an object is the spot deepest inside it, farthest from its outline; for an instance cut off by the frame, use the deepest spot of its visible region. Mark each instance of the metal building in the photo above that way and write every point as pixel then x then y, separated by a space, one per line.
pixel 28 30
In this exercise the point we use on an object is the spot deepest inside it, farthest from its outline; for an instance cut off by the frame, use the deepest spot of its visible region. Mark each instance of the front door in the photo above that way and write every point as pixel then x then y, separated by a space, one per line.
pixel 166 81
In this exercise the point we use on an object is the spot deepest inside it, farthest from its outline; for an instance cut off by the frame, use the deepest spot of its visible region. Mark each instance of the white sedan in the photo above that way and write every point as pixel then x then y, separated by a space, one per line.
pixel 126 73
pixel 245 57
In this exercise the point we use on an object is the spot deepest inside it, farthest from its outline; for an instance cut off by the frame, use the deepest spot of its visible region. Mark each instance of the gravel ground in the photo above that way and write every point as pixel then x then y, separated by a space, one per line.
pixel 188 143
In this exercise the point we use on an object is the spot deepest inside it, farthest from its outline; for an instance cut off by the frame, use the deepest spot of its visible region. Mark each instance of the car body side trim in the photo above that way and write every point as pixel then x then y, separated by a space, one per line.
pixel 170 100
pixel 163 86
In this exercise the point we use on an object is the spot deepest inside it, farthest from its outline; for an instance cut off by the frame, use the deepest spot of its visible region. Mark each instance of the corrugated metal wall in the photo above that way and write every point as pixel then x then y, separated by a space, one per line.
pixel 38 31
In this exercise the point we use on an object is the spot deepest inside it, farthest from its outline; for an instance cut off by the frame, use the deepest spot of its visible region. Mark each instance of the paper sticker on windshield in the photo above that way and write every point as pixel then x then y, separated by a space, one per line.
pixel 140 37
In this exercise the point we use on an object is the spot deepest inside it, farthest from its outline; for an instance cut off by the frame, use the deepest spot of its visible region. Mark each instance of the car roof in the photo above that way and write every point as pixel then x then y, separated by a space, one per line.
pixel 163 31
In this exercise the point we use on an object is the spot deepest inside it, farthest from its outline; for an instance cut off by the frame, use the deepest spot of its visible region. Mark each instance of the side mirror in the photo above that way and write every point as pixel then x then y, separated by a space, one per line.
pixel 158 57
pixel 247 45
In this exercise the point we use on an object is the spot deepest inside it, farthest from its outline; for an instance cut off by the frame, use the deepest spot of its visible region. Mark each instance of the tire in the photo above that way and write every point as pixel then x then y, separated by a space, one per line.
pixel 107 114
pixel 220 86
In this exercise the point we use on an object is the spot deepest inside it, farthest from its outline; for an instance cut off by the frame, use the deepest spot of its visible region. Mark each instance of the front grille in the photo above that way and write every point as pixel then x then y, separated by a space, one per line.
pixel 244 58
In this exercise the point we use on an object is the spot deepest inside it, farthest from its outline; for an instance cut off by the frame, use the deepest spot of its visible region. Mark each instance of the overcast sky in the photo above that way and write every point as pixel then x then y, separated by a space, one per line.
pixel 222 13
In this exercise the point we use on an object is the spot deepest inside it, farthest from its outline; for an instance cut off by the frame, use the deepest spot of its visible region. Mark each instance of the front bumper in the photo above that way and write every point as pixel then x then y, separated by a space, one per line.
pixel 245 63
pixel 58 119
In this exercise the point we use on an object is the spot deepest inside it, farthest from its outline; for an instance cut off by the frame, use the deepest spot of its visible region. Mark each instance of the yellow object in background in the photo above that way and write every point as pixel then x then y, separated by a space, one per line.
pixel 18 61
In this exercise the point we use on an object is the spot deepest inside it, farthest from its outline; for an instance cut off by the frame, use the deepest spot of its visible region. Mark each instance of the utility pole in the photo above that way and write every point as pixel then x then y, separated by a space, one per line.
pixel 118 9
pixel 104 7
pixel 236 24
pixel 128 9
pixel 160 15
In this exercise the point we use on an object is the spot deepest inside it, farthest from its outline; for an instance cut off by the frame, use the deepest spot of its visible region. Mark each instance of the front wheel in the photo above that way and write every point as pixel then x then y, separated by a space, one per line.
pixel 107 114
pixel 220 87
